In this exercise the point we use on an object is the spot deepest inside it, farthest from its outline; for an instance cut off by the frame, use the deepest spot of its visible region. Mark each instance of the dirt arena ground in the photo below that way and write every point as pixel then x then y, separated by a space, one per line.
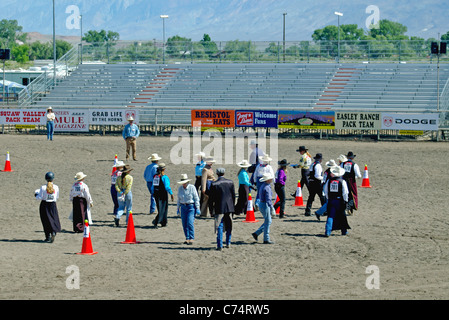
pixel 401 228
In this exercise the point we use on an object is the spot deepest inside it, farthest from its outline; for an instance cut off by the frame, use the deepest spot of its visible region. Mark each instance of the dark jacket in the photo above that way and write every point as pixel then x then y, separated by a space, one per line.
pixel 222 195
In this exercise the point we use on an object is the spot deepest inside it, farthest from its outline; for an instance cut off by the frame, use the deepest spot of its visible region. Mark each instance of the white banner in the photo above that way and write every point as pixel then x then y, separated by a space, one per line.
pixel 71 120
pixel 23 116
pixel 410 121
pixel 112 116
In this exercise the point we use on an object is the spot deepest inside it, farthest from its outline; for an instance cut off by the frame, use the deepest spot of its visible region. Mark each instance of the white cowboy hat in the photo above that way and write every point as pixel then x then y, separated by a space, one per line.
pixel 201 154
pixel 49 108
pixel 209 159
pixel 184 179
pixel 266 176
pixel 244 164
pixel 338 171
pixel 80 176
pixel 331 163
pixel 130 118
pixel 119 164
pixel 265 158
pixel 154 157
pixel 342 158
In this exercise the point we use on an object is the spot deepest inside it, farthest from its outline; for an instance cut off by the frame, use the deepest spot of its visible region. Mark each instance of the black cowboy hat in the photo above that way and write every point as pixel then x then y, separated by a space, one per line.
pixel 318 156
pixel 350 154
pixel 283 162
pixel 302 148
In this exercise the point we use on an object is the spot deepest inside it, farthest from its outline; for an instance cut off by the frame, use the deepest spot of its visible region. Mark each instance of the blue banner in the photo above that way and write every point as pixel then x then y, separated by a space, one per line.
pixel 256 118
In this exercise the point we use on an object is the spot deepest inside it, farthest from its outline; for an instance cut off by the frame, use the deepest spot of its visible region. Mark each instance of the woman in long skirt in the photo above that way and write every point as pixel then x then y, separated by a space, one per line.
pixel 81 203
pixel 48 194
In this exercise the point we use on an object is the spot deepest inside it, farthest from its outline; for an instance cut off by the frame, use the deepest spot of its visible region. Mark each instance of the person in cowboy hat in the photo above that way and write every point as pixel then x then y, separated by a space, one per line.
pixel 265 206
pixel 305 161
pixel 188 205
pixel 279 186
pixel 81 203
pixel 336 193
pixel 199 172
pixel 130 134
pixel 50 123
pixel 352 172
pixel 254 156
pixel 262 168
pixel 148 175
pixel 222 198
pixel 49 194
pixel 315 183
pixel 207 177
pixel 123 185
pixel 117 173
pixel 161 189
pixel 322 211
pixel 244 187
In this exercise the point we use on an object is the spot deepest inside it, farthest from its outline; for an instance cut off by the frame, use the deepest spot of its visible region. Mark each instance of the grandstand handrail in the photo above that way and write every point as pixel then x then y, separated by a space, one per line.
pixel 45 81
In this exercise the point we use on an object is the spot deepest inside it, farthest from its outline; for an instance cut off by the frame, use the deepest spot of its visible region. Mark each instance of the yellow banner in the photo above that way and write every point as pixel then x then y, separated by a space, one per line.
pixel 25 126
pixel 411 132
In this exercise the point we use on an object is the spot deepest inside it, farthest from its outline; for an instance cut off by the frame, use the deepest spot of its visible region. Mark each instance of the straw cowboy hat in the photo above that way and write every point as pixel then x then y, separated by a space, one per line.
pixel 265 158
pixel 209 159
pixel 338 171
pixel 244 164
pixel 154 157
pixel 119 164
pixel 127 169
pixel 184 179
pixel 331 163
pixel 80 176
pixel 161 165
pixel 49 108
pixel 342 158
pixel 266 176
pixel 130 118
pixel 201 154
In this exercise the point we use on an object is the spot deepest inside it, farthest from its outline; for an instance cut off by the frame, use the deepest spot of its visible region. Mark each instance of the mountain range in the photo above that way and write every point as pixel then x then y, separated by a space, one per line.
pixel 223 20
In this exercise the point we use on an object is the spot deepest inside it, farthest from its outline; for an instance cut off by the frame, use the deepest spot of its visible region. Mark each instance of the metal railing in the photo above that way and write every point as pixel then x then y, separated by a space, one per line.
pixel 50 77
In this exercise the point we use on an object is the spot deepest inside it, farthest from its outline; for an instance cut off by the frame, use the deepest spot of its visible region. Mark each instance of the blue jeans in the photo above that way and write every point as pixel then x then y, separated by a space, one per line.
pixel 220 235
pixel 128 204
pixel 152 200
pixel 322 210
pixel 50 130
pixel 265 210
pixel 187 219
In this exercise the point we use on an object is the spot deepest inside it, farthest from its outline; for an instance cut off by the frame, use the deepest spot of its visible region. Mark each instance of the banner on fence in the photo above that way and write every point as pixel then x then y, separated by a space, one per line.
pixel 23 116
pixel 358 120
pixel 71 120
pixel 410 121
pixel 213 118
pixel 252 118
pixel 112 116
pixel 307 120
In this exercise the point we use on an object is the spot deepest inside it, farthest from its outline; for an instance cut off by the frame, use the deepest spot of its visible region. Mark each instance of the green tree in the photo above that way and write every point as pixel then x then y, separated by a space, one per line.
pixel 21 53
pixel 100 38
pixel 210 47
pixel 390 30
pixel 10 31
pixel 178 47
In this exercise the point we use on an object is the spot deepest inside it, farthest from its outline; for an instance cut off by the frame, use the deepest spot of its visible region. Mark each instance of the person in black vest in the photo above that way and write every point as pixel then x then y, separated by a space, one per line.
pixel 326 176
pixel 352 171
pixel 161 189
pixel 222 197
pixel 315 180
pixel 336 192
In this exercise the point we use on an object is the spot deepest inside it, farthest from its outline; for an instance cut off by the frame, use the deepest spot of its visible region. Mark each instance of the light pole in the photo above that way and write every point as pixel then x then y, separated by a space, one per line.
pixel 284 14
pixel 54 45
pixel 81 38
pixel 339 14
pixel 163 17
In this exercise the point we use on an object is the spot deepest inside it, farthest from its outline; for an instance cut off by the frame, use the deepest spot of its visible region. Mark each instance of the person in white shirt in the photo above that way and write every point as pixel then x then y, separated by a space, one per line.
pixel 188 206
pixel 50 123
pixel 315 183
pixel 262 169
pixel 352 172
pixel 81 203
pixel 48 194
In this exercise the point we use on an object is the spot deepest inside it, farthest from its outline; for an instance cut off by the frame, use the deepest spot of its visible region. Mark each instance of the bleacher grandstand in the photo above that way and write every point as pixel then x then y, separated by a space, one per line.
pixel 171 91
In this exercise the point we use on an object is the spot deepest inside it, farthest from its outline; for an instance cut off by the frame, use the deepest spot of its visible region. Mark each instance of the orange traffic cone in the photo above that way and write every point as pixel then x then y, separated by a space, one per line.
pixel 365 181
pixel 298 196
pixel 130 233
pixel 278 210
pixel 250 217
pixel 87 242
pixel 7 164
pixel 114 168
